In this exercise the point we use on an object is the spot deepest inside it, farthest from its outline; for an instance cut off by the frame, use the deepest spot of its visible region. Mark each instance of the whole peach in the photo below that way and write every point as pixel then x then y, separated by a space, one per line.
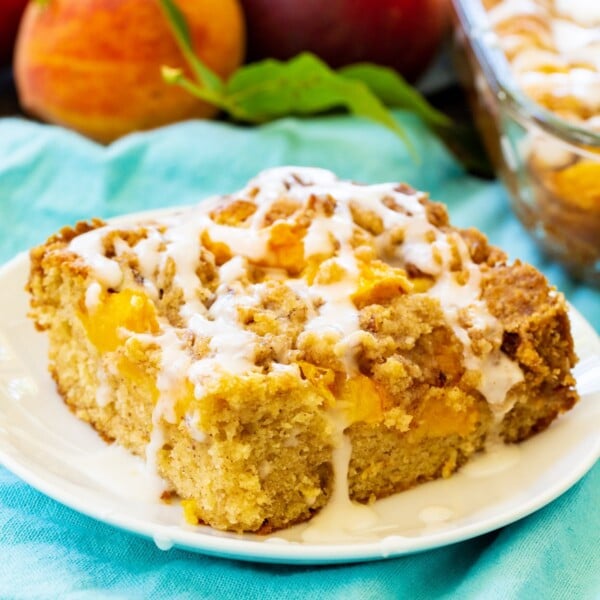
pixel 94 65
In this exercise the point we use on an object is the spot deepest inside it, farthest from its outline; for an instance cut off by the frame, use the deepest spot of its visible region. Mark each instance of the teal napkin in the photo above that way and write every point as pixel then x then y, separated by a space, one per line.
pixel 50 177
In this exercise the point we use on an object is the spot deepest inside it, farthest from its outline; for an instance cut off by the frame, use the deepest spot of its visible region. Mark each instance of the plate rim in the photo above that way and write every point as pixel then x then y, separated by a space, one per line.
pixel 299 553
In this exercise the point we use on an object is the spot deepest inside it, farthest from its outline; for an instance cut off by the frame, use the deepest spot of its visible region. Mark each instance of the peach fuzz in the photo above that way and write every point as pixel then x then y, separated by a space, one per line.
pixel 94 66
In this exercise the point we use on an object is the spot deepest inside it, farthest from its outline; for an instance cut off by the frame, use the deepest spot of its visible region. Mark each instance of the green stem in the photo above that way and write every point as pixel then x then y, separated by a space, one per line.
pixel 176 20
pixel 175 77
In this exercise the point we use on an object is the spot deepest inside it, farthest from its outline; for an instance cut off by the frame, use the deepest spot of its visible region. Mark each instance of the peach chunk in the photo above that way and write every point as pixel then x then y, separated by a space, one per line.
pixel 362 400
pixel 126 309
pixel 322 378
pixel 286 247
pixel 443 413
pixel 378 282
pixel 358 397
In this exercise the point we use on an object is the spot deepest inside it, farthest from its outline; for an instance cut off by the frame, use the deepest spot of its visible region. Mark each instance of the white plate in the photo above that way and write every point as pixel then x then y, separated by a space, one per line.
pixel 44 444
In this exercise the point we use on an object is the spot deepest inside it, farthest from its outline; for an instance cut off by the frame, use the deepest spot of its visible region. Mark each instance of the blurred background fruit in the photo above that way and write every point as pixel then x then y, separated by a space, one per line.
pixel 403 34
pixel 94 66
pixel 10 15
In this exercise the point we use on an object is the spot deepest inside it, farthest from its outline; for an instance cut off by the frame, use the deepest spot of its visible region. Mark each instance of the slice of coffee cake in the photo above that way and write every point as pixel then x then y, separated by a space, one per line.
pixel 301 342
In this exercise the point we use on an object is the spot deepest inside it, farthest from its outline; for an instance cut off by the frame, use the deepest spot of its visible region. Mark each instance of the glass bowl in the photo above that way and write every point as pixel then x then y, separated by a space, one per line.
pixel 550 166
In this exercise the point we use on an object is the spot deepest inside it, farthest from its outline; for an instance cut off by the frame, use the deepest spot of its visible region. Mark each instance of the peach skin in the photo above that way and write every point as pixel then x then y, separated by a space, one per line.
pixel 94 66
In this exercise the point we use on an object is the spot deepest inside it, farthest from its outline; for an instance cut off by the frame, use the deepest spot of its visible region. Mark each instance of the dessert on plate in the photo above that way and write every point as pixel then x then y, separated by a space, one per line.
pixel 303 342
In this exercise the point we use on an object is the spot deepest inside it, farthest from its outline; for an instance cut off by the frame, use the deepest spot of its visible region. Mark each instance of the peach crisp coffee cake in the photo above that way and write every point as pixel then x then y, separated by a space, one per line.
pixel 303 342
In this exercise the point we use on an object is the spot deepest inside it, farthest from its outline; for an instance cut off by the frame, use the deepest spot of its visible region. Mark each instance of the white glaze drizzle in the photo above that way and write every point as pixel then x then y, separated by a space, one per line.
pixel 432 515
pixel 90 247
pixel 92 296
pixel 104 394
pixel 338 312
pixel 340 518
pixel 231 346
pixel 174 361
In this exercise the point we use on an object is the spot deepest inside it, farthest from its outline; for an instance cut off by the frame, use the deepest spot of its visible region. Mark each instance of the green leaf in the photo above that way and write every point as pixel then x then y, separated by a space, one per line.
pixel 304 85
pixel 390 87
pixel 270 89
pixel 181 32
pixel 392 90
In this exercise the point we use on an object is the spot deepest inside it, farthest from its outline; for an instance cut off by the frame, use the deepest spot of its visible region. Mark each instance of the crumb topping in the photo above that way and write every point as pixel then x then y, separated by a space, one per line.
pixel 298 265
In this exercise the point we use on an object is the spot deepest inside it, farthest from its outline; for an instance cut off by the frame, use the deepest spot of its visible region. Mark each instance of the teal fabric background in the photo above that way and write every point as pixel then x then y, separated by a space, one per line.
pixel 50 177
